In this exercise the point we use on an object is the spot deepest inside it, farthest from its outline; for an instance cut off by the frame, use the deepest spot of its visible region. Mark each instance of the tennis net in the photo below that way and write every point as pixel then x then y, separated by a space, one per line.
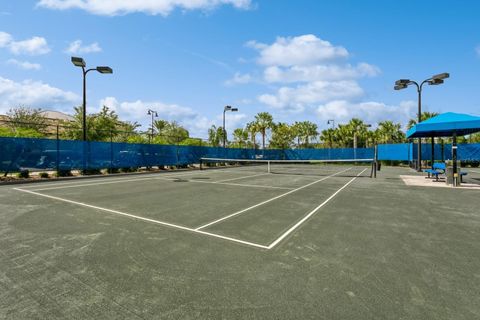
pixel 337 167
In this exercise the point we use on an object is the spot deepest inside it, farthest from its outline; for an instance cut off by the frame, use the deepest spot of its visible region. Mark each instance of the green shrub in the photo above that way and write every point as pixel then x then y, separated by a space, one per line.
pixel 129 169
pixel 89 172
pixel 63 173
pixel 43 175
pixel 24 174
pixel 113 170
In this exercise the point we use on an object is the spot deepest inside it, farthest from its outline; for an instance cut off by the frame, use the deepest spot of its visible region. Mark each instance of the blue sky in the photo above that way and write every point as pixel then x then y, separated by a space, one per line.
pixel 299 60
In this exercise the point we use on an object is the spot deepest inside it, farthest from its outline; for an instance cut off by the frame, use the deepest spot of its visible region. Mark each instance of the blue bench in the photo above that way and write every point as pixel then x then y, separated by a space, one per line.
pixel 437 169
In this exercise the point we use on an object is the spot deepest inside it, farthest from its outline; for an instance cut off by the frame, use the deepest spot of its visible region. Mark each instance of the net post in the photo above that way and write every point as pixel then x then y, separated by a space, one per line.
pixel 201 167
pixel 268 167
pixel 375 161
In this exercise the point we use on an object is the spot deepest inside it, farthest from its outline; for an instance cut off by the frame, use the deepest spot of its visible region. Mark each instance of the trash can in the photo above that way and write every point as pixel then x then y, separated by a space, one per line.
pixel 452 179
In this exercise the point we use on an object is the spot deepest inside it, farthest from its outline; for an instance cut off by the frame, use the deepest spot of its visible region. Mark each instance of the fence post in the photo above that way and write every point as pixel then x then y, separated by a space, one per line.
pixel 111 151
pixel 58 150
pixel 177 147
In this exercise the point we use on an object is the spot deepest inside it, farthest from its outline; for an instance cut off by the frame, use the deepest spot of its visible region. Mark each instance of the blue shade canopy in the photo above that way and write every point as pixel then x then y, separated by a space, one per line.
pixel 444 125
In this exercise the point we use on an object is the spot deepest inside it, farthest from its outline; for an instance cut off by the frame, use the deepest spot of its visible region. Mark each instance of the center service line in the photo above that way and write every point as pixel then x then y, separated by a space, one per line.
pixel 269 200
pixel 274 243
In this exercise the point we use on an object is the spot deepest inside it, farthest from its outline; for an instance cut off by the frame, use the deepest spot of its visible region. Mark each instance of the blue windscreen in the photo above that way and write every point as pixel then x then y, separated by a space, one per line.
pixel 52 154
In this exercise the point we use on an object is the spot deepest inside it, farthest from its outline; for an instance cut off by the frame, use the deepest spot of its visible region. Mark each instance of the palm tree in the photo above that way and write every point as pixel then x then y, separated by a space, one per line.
pixel 252 129
pixel 215 135
pixel 358 129
pixel 425 116
pixel 264 121
pixel 240 136
pixel 329 137
pixel 343 135
pixel 282 136
pixel 371 138
pixel 308 130
pixel 390 132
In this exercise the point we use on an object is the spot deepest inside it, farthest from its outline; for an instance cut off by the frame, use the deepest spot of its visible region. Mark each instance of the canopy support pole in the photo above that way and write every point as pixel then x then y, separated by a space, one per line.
pixel 433 151
pixel 454 158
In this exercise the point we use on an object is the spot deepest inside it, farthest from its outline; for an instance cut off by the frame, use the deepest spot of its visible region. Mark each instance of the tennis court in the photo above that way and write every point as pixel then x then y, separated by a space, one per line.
pixel 303 241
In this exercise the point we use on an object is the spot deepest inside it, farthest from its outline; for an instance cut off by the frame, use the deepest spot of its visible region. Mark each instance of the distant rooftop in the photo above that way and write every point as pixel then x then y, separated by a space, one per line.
pixel 57 115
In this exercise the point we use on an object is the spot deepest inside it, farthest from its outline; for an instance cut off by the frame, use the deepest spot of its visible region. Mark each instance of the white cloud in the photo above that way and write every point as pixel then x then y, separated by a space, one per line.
pixel 35 94
pixel 370 112
pixel 297 51
pixel 309 71
pixel 239 78
pixel 195 123
pixel 25 65
pixel 153 7
pixel 233 120
pixel 5 39
pixel 32 46
pixel 319 72
pixel 296 99
pixel 76 47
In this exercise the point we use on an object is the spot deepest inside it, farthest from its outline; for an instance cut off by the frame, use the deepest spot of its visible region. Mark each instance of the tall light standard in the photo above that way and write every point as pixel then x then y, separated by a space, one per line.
pixel 225 109
pixel 154 114
pixel 433 81
pixel 79 62
pixel 332 122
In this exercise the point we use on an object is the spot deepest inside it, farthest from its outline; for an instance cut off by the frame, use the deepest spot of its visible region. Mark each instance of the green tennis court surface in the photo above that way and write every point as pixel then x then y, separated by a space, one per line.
pixel 240 243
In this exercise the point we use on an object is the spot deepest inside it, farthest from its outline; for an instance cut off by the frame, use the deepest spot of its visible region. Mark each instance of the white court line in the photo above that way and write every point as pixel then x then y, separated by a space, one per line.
pixel 245 177
pixel 274 243
pixel 237 184
pixel 91 184
pixel 144 219
pixel 269 200
pixel 101 180
pixel 153 177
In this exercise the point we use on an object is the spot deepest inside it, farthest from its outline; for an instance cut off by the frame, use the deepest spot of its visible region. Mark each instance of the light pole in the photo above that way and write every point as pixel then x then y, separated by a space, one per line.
pixel 79 62
pixel 332 122
pixel 154 114
pixel 433 81
pixel 225 109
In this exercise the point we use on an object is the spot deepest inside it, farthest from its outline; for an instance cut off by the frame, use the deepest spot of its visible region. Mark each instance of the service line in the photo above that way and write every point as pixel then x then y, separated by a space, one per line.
pixel 269 200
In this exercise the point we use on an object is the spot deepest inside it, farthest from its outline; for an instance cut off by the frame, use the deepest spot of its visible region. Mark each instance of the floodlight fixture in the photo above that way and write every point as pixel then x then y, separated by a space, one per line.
pixel 78 62
pixel 234 109
pixel 441 76
pixel 400 87
pixel 435 82
pixel 152 113
pixel 104 70
pixel 402 82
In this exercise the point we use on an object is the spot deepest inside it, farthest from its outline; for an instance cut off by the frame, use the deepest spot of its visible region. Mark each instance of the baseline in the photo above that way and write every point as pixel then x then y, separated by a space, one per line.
pixel 144 219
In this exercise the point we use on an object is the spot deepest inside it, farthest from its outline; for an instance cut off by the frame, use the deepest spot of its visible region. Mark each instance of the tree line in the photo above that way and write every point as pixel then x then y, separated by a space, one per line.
pixel 107 126
pixel 102 126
